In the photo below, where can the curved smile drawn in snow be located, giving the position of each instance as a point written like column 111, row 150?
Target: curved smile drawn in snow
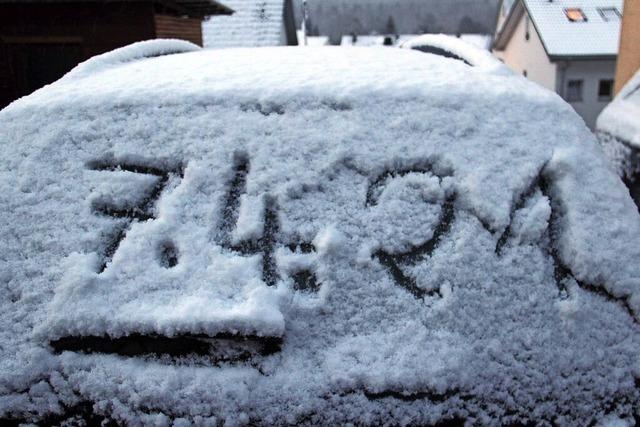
column 223, row 348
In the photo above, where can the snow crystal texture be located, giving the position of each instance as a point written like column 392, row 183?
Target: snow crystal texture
column 620, row 118
column 312, row 236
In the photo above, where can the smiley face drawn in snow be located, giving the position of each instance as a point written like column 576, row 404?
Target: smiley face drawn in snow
column 420, row 197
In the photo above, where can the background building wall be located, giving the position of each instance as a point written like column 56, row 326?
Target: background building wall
column 590, row 72
column 40, row 42
column 529, row 55
column 101, row 26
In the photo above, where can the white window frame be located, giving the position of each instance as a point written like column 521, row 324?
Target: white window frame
column 604, row 13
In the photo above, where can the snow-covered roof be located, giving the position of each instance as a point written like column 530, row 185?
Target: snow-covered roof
column 621, row 118
column 366, row 40
column 254, row 23
column 311, row 236
column 597, row 36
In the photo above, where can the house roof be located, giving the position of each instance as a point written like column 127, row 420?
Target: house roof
column 192, row 8
column 254, row 23
column 561, row 38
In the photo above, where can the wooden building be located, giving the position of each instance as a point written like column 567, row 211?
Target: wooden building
column 40, row 40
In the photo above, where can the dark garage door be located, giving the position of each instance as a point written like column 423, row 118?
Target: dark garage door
column 33, row 65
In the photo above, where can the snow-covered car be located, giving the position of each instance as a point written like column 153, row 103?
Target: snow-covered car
column 311, row 236
column 618, row 129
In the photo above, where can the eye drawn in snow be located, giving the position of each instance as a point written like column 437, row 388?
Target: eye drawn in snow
column 142, row 210
column 168, row 254
column 394, row 262
column 265, row 245
column 229, row 344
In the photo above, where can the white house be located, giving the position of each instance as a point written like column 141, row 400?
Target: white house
column 254, row 23
column 569, row 46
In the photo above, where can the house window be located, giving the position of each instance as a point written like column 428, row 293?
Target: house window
column 524, row 73
column 605, row 90
column 609, row 13
column 574, row 90
column 526, row 28
column 575, row 14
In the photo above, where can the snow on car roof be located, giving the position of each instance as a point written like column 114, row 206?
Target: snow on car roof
column 311, row 236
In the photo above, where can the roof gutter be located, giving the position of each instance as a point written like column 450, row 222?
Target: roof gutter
column 508, row 27
column 533, row 21
column 606, row 57
column 561, row 79
column 495, row 22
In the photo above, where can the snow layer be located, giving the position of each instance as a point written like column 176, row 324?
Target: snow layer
column 459, row 47
column 417, row 248
column 482, row 41
column 621, row 118
column 622, row 156
column 130, row 53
